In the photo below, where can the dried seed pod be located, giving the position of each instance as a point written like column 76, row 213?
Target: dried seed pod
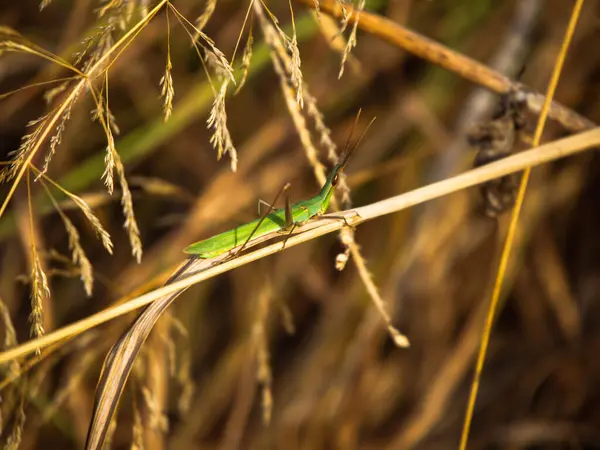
column 497, row 139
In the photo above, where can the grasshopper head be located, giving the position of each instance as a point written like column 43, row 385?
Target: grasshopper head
column 338, row 169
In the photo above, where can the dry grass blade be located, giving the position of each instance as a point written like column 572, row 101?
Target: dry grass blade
column 119, row 361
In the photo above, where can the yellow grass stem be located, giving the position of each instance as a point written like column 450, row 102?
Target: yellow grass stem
column 510, row 237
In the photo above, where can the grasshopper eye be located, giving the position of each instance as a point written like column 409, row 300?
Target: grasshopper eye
column 335, row 179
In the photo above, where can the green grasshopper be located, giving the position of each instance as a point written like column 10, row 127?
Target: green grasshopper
column 280, row 220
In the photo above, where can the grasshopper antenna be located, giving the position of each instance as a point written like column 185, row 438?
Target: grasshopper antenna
column 348, row 151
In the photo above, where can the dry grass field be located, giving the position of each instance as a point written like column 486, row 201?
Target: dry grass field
column 448, row 301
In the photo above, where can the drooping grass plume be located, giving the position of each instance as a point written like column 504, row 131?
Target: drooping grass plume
column 185, row 380
column 13, row 441
column 246, row 61
column 203, row 18
column 317, row 8
column 39, row 292
column 137, row 441
column 351, row 43
column 166, row 82
column 130, row 225
column 167, row 91
column 345, row 14
column 312, row 111
column 296, row 70
column 218, row 59
column 217, row 120
column 27, row 142
column 56, row 139
column 158, row 420
column 9, row 341
column 279, row 58
column 263, row 367
column 51, row 94
column 32, row 144
column 101, row 233
column 180, row 359
column 110, row 163
column 80, row 365
column 96, row 225
column 295, row 66
column 78, row 255
column 113, row 164
column 44, row 4
column 214, row 59
column 285, row 47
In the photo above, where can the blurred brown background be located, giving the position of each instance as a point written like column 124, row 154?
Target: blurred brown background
column 290, row 325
